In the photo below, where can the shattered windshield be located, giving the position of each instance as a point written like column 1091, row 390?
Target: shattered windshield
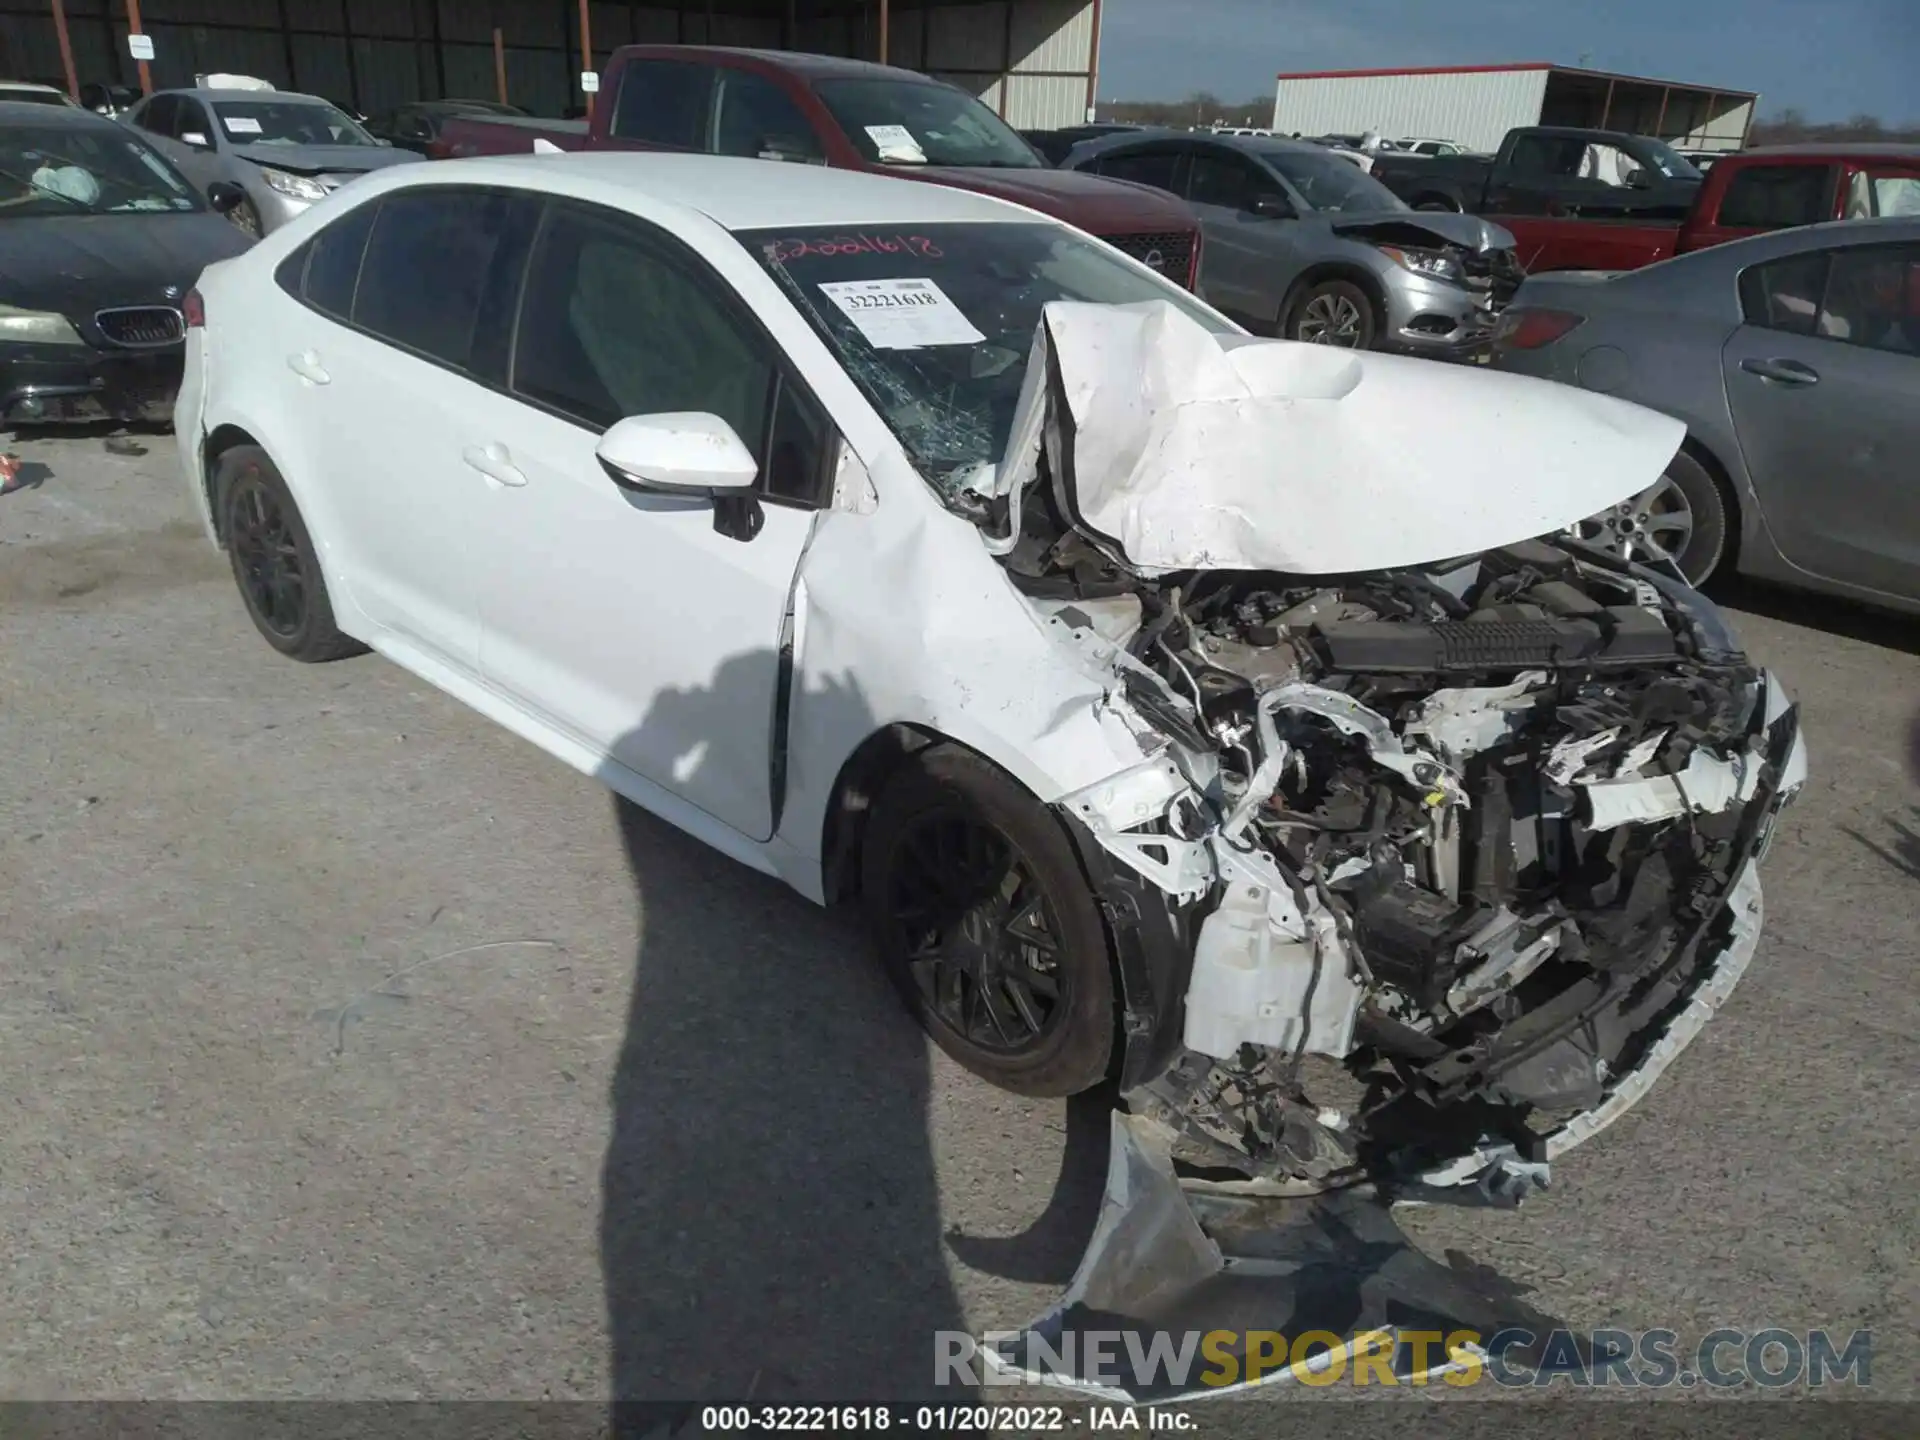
column 288, row 122
column 84, row 169
column 935, row 323
column 914, row 122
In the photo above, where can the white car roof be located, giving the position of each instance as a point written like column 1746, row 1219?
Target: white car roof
column 738, row 194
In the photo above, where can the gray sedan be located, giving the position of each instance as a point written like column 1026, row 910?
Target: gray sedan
column 1794, row 359
column 282, row 151
column 1300, row 243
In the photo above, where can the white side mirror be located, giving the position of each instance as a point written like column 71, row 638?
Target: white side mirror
column 684, row 453
column 193, row 137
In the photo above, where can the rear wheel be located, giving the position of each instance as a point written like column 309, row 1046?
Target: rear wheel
column 1681, row 519
column 1436, row 202
column 273, row 558
column 1334, row 312
column 987, row 927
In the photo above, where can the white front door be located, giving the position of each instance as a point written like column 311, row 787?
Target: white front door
column 648, row 627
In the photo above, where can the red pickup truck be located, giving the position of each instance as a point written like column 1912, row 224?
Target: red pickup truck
column 824, row 110
column 1744, row 194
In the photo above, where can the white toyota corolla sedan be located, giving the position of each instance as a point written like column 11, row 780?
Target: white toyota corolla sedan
column 1177, row 705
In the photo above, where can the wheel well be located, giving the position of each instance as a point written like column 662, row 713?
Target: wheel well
column 861, row 778
column 223, row 439
column 1334, row 270
column 1729, row 496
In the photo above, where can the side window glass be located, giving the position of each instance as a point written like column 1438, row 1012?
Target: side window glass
column 664, row 102
column 334, row 266
column 610, row 326
column 1532, row 155
column 756, row 117
column 1143, row 167
column 1784, row 295
column 157, row 116
column 470, row 242
column 1896, row 194
column 1771, row 197
column 797, row 449
column 1224, row 180
column 193, row 121
column 1873, row 298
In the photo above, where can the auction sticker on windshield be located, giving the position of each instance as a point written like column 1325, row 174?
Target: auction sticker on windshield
column 902, row 314
column 241, row 124
column 896, row 142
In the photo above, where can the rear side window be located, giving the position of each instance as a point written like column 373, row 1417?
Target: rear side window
column 439, row 270
column 333, row 262
column 664, row 102
column 1145, row 167
column 755, row 117
column 1772, row 197
column 159, row 116
column 1784, row 295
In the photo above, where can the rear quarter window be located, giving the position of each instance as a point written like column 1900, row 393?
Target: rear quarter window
column 1773, row 197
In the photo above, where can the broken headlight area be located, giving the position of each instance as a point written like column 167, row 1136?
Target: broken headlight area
column 1454, row 847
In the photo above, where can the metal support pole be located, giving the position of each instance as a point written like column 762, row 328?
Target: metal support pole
column 500, row 64
column 1660, row 125
column 1006, row 58
column 133, row 28
column 1606, row 111
column 66, row 48
column 883, row 31
column 586, row 49
column 1093, row 65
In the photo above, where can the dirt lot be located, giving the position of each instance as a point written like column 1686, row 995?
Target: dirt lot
column 351, row 1047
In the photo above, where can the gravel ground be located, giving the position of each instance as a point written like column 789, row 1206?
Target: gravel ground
column 350, row 1047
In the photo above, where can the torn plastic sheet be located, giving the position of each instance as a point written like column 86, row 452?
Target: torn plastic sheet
column 1181, row 449
column 1169, row 1263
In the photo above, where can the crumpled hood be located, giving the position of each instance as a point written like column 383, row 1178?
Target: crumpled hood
column 1178, row 449
column 1407, row 226
column 325, row 159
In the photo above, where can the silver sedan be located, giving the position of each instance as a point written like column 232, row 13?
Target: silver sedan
column 1794, row 359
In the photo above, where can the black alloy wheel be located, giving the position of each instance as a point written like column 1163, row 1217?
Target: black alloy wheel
column 986, row 923
column 983, row 945
column 266, row 559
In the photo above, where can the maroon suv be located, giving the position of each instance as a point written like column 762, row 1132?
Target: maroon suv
column 824, row 110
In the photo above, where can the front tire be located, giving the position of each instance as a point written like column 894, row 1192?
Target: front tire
column 1334, row 312
column 986, row 925
column 274, row 562
column 245, row 217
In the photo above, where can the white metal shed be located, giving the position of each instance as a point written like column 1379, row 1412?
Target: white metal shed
column 1477, row 104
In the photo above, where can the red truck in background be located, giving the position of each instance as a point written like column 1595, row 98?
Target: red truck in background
column 1748, row 193
column 850, row 114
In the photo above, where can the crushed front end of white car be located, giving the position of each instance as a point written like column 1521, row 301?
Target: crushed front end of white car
column 1445, row 839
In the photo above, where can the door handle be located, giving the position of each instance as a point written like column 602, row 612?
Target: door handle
column 1787, row 372
column 308, row 367
column 495, row 463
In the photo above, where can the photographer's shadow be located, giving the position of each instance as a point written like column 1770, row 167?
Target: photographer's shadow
column 770, row 1220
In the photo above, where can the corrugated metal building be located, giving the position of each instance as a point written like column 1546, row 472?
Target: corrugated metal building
column 1477, row 104
column 1033, row 61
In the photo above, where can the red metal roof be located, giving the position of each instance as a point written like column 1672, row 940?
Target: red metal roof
column 1416, row 70
column 1517, row 65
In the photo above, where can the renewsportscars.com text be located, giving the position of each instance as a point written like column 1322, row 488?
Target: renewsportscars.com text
column 1647, row 1359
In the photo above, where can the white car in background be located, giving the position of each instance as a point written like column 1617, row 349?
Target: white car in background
column 1176, row 705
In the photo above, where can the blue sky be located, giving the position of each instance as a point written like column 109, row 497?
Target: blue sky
column 1829, row 58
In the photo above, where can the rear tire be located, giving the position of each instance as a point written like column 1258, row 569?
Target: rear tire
column 986, row 925
column 1436, row 202
column 274, row 561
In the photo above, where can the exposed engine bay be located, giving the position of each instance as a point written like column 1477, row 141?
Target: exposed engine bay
column 1453, row 847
